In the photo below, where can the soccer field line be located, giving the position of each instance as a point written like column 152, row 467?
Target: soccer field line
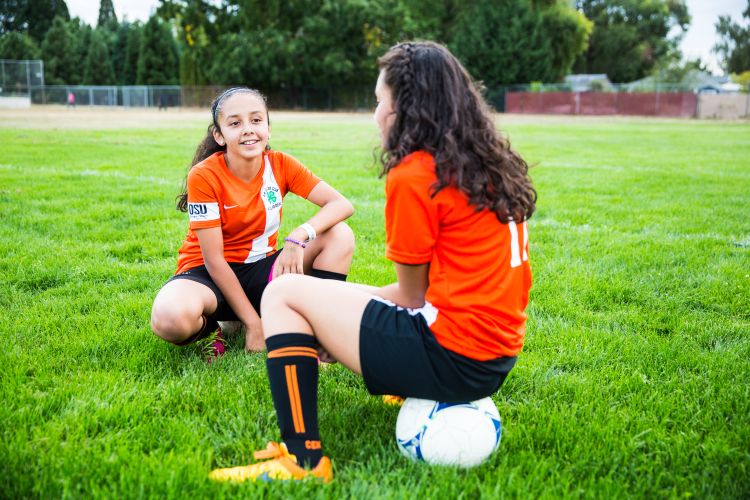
column 90, row 173
column 120, row 175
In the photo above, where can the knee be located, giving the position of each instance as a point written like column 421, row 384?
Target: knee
column 169, row 324
column 342, row 238
column 278, row 292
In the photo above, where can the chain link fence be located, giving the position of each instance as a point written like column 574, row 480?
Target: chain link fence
column 140, row 96
column 351, row 98
column 649, row 99
column 345, row 98
column 17, row 77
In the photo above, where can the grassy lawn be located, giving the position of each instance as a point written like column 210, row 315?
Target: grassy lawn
column 634, row 380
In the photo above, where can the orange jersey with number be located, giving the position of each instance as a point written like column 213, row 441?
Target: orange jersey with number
column 479, row 268
column 249, row 213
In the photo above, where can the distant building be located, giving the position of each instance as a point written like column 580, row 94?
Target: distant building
column 696, row 81
column 588, row 83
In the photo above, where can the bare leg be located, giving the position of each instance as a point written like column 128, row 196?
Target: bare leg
column 178, row 309
column 331, row 250
column 329, row 310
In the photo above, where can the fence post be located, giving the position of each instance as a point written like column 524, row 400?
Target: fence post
column 698, row 105
column 657, row 99
column 747, row 105
column 28, row 79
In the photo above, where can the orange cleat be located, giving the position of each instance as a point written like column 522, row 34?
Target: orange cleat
column 279, row 465
column 393, row 400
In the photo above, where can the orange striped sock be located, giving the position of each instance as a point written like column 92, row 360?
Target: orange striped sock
column 292, row 366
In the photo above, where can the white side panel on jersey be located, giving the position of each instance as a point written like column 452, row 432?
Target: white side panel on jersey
column 515, row 253
column 271, row 196
column 428, row 311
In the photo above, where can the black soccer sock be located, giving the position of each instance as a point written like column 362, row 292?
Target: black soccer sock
column 327, row 275
column 292, row 366
column 209, row 325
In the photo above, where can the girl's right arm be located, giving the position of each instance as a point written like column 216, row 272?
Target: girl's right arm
column 212, row 248
column 410, row 289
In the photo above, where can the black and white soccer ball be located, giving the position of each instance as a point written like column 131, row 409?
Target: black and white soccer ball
column 459, row 434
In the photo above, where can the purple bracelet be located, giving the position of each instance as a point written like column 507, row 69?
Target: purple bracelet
column 290, row 240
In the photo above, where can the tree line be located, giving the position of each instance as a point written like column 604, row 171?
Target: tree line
column 273, row 44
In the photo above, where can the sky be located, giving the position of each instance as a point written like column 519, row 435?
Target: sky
column 697, row 42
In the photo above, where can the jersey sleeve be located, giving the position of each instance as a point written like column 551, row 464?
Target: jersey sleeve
column 299, row 179
column 203, row 202
column 411, row 217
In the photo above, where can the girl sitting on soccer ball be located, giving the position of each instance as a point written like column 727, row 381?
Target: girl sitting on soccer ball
column 233, row 195
column 457, row 202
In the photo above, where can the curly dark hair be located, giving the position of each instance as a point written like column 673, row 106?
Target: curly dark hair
column 208, row 145
column 439, row 109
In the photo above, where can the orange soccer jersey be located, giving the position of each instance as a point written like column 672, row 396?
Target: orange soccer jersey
column 249, row 213
column 479, row 270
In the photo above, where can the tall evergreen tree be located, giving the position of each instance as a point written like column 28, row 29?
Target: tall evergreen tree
column 98, row 66
column 158, row 59
column 132, row 51
column 107, row 17
column 119, row 49
column 59, row 51
column 15, row 45
column 82, row 39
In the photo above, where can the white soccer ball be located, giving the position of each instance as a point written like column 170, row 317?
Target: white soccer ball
column 461, row 434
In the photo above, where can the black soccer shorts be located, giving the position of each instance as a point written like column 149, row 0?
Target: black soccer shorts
column 253, row 277
column 400, row 356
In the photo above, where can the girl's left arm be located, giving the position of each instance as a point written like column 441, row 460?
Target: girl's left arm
column 334, row 208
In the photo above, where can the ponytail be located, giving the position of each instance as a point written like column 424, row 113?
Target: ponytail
column 206, row 148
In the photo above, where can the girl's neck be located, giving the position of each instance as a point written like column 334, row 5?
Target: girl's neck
column 245, row 170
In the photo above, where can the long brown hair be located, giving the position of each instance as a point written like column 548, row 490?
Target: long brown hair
column 440, row 110
column 208, row 145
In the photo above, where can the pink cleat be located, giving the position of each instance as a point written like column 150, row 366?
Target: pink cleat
column 213, row 346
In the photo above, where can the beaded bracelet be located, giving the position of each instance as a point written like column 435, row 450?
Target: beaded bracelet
column 290, row 240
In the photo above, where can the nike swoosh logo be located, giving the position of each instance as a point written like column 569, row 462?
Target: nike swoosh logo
column 228, row 207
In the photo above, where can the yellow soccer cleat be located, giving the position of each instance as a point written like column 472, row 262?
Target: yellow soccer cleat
column 393, row 400
column 280, row 465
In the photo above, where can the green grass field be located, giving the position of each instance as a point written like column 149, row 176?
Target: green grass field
column 634, row 380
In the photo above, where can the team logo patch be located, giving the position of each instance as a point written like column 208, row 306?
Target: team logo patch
column 199, row 212
column 272, row 197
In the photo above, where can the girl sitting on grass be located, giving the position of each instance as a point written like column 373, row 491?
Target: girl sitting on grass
column 457, row 202
column 233, row 196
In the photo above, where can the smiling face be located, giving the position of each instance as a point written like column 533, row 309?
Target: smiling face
column 243, row 127
column 385, row 115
